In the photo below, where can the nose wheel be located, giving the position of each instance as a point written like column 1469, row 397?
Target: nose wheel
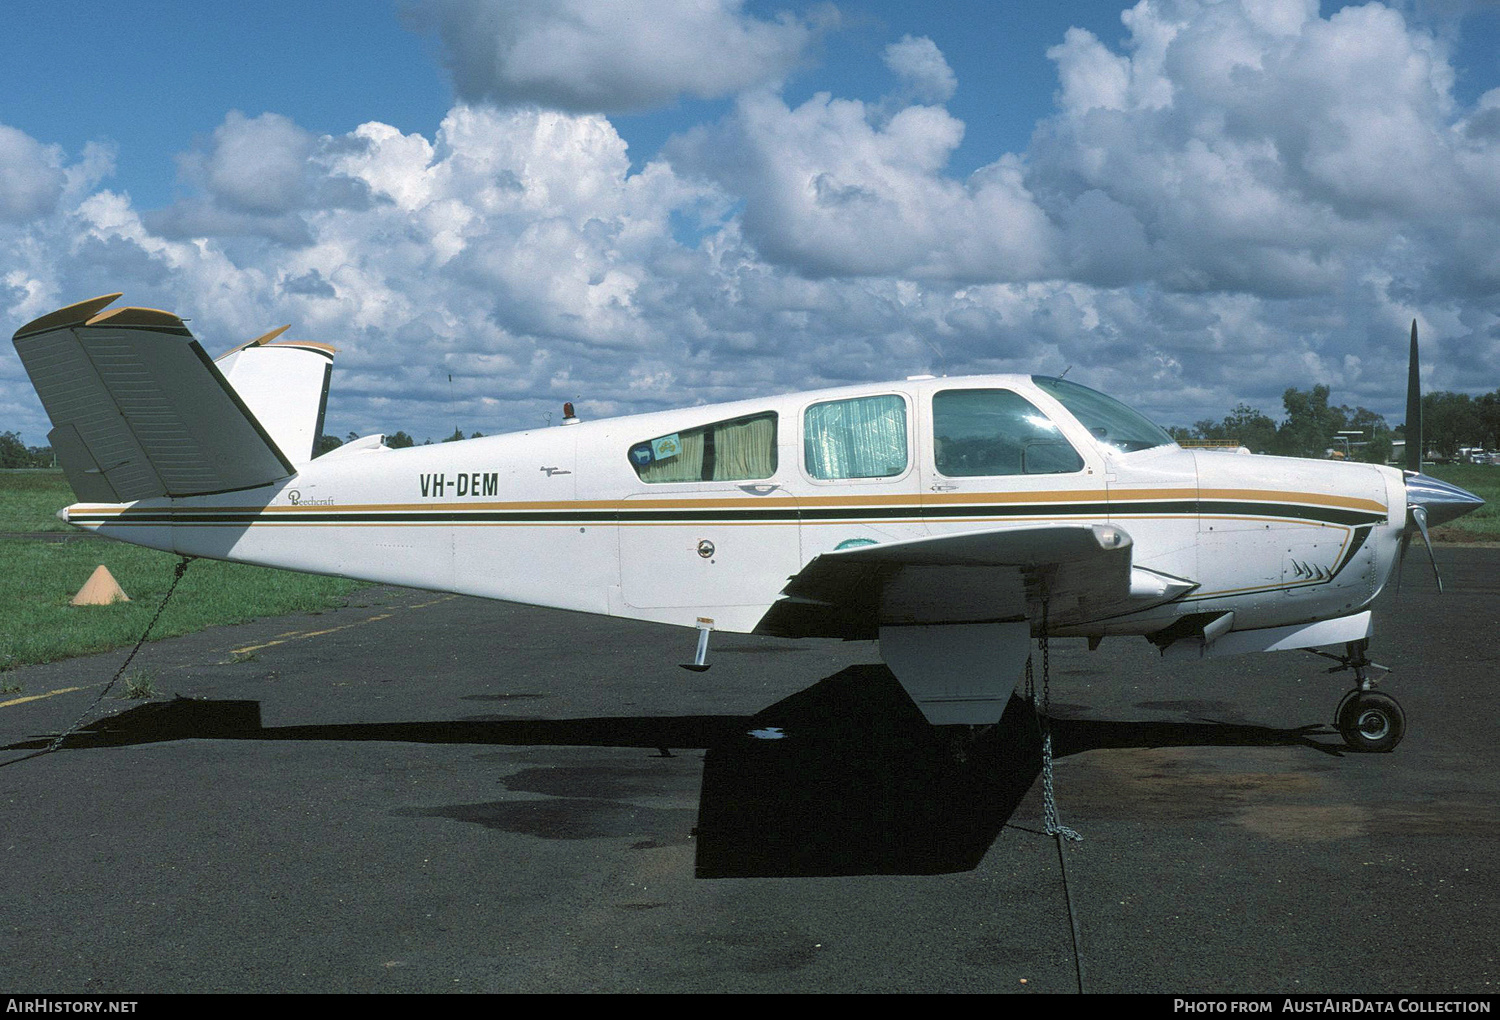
column 1366, row 719
column 1371, row 721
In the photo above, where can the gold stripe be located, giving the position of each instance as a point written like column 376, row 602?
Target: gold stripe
column 713, row 502
column 1315, row 498
column 843, row 522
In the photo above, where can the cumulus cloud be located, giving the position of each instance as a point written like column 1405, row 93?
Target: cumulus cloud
column 259, row 176
column 835, row 187
column 922, row 68
column 1260, row 148
column 31, row 176
column 625, row 55
column 256, row 164
column 1240, row 197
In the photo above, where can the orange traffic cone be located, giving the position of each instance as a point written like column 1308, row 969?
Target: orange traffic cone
column 101, row 589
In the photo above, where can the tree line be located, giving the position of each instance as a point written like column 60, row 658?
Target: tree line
column 1450, row 422
column 14, row 453
column 395, row 440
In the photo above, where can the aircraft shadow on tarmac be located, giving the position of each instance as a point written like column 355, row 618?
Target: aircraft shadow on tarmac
column 844, row 778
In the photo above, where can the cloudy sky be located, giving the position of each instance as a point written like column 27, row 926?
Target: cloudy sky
column 638, row 204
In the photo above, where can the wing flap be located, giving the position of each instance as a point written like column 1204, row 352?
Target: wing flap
column 138, row 408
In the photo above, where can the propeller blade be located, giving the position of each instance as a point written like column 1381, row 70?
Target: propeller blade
column 1427, row 498
column 1413, row 407
column 1419, row 515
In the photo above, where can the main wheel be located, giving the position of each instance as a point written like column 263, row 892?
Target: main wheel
column 1371, row 722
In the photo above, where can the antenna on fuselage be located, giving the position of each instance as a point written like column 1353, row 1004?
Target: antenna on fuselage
column 941, row 367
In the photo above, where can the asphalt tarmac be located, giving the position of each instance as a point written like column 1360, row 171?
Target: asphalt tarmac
column 430, row 793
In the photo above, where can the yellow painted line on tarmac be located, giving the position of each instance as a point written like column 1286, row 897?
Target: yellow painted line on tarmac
column 297, row 635
column 39, row 697
column 356, row 623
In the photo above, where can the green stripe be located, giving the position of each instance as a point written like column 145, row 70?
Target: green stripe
column 778, row 515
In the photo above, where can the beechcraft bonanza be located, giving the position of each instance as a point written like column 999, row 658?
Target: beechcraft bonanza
column 954, row 520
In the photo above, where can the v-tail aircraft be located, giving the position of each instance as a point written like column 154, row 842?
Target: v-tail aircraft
column 954, row 520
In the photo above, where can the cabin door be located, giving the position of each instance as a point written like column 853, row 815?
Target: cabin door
column 997, row 460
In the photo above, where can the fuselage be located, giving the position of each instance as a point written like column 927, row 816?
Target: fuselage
column 706, row 512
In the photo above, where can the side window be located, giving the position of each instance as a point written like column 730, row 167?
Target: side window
column 742, row 448
column 860, row 438
column 996, row 432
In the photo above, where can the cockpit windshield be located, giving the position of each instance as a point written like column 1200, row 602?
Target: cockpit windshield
column 1111, row 422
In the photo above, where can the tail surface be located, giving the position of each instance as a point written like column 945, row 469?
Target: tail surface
column 139, row 409
column 285, row 386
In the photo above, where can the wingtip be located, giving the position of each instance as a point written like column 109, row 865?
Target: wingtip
column 259, row 341
column 75, row 314
column 154, row 318
column 266, row 338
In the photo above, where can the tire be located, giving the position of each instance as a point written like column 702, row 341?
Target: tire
column 1372, row 722
column 1338, row 713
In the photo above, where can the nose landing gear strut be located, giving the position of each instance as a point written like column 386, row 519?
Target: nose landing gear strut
column 1366, row 719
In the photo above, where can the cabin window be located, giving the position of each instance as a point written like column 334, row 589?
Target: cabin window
column 735, row 450
column 860, row 438
column 996, row 432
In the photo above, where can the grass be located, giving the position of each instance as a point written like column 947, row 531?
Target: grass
column 140, row 684
column 40, row 577
column 30, row 500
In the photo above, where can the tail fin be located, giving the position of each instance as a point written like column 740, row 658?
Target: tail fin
column 138, row 408
column 285, row 385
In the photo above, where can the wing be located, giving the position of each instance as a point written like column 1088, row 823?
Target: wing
column 1082, row 571
column 955, row 613
column 138, row 408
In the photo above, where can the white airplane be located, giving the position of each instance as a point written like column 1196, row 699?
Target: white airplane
column 954, row 520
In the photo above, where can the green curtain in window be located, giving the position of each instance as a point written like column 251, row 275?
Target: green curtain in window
column 745, row 449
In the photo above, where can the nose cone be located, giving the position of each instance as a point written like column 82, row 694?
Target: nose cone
column 1443, row 501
